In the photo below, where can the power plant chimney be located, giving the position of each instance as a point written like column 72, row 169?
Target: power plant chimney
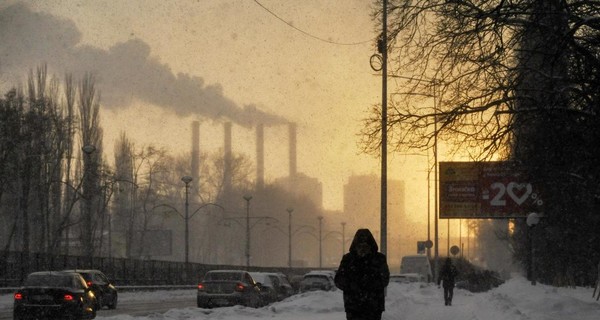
column 292, row 137
column 227, row 157
column 260, row 156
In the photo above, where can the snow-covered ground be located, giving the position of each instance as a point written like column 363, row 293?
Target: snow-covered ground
column 517, row 299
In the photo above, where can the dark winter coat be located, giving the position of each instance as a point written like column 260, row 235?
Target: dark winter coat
column 363, row 279
column 448, row 275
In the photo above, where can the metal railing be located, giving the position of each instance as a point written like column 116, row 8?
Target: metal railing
column 15, row 266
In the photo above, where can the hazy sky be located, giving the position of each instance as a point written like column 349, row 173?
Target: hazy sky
column 162, row 64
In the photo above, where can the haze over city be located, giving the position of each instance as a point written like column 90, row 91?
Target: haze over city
column 196, row 142
column 245, row 62
column 216, row 61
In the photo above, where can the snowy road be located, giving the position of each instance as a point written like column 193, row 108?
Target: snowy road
column 515, row 300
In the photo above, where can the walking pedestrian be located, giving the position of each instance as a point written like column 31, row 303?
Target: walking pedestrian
column 363, row 275
column 447, row 276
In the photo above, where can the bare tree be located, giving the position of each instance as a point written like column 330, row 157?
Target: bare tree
column 511, row 79
column 457, row 66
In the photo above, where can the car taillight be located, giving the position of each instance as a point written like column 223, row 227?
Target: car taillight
column 240, row 287
column 68, row 297
column 18, row 296
column 200, row 286
column 89, row 283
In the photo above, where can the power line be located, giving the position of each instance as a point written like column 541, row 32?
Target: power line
column 306, row 33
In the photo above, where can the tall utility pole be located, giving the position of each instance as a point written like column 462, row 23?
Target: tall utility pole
column 320, row 241
column 343, row 238
column 247, row 198
column 436, row 244
column 187, row 180
column 88, row 192
column 382, row 46
column 289, row 211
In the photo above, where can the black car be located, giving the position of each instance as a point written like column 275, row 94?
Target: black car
column 269, row 285
column 285, row 287
column 221, row 288
column 54, row 295
column 104, row 290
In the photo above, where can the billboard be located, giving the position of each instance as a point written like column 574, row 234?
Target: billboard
column 494, row 189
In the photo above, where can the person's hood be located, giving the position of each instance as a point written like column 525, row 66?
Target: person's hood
column 364, row 235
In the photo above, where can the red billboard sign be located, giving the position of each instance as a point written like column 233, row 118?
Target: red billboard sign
column 494, row 189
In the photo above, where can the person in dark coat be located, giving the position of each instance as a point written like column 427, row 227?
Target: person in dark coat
column 363, row 275
column 447, row 276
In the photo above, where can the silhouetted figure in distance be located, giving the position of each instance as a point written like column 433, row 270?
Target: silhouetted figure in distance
column 447, row 276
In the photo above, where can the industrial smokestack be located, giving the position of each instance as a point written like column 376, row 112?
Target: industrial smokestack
column 292, row 137
column 227, row 158
column 195, row 170
column 260, row 156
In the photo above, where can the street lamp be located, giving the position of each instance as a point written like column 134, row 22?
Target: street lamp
column 247, row 198
column 320, row 241
column 289, row 211
column 187, row 180
column 88, row 194
column 532, row 220
column 343, row 238
column 224, row 222
column 187, row 216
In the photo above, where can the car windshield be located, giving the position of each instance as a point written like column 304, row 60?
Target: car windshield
column 86, row 276
column 47, row 280
column 262, row 278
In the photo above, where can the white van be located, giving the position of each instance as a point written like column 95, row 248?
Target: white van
column 417, row 264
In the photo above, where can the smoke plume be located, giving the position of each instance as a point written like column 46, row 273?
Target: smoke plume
column 124, row 72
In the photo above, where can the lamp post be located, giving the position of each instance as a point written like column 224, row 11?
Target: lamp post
column 532, row 220
column 187, row 216
column 384, row 139
column 343, row 238
column 247, row 198
column 187, row 180
column 289, row 211
column 109, row 236
column 88, row 194
column 320, row 241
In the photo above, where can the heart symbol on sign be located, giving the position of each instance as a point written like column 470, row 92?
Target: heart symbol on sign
column 518, row 187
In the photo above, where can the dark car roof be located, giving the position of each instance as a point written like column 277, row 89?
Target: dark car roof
column 226, row 275
column 83, row 271
column 50, row 272
column 54, row 274
column 227, row 271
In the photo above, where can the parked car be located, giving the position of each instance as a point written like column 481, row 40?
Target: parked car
column 104, row 289
column 285, row 287
column 318, row 280
column 221, row 288
column 54, row 295
column 269, row 286
column 407, row 277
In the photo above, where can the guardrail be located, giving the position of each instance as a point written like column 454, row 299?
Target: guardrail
column 15, row 265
